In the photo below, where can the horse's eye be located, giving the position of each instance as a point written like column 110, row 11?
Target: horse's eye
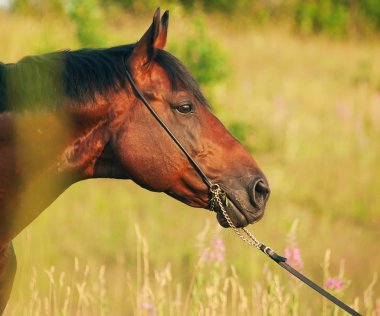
column 185, row 108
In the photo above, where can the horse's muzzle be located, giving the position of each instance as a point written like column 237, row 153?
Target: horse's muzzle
column 246, row 201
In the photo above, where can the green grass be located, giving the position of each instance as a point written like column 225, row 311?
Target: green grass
column 307, row 108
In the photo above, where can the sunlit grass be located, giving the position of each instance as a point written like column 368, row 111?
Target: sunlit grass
column 310, row 111
column 214, row 288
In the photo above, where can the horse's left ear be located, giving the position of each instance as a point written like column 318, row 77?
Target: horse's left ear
column 163, row 32
column 153, row 39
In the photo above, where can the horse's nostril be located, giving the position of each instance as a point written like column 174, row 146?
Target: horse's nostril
column 260, row 193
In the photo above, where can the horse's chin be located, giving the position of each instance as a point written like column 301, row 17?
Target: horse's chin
column 239, row 217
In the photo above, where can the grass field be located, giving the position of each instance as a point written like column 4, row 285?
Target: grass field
column 309, row 110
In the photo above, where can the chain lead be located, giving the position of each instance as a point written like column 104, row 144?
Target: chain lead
column 216, row 192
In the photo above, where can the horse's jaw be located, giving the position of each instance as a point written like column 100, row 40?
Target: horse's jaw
column 239, row 216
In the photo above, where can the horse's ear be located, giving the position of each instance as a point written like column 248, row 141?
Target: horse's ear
column 153, row 39
column 163, row 33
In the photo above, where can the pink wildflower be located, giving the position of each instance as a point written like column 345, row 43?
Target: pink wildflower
column 215, row 252
column 344, row 111
column 293, row 255
column 149, row 309
column 334, row 284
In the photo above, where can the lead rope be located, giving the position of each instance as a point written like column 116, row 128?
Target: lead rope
column 217, row 192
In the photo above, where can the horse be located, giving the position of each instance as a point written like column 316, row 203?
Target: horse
column 68, row 116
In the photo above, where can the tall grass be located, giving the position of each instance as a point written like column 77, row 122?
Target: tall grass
column 215, row 288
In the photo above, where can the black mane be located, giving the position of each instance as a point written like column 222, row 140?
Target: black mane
column 45, row 82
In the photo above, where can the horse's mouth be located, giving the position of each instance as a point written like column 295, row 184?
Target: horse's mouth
column 239, row 216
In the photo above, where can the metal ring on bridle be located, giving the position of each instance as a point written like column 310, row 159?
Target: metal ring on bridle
column 215, row 188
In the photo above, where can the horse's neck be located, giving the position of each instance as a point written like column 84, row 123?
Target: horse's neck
column 57, row 142
column 41, row 154
column 81, row 155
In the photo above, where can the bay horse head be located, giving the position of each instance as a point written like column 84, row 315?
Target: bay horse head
column 84, row 115
column 150, row 157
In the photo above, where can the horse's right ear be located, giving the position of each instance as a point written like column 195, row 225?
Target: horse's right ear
column 154, row 38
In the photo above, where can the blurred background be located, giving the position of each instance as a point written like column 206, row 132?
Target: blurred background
column 298, row 83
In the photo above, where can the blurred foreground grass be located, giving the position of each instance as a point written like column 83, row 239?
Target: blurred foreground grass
column 307, row 108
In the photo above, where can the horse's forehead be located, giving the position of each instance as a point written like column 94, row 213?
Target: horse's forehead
column 173, row 83
column 158, row 75
column 157, row 81
column 161, row 81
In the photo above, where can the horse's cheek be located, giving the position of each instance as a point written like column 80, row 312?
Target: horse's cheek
column 131, row 153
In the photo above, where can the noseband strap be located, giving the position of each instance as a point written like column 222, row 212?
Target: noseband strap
column 205, row 179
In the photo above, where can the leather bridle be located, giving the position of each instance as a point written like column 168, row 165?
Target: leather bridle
column 198, row 169
column 218, row 197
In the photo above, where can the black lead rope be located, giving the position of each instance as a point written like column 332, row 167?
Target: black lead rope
column 216, row 191
column 282, row 262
